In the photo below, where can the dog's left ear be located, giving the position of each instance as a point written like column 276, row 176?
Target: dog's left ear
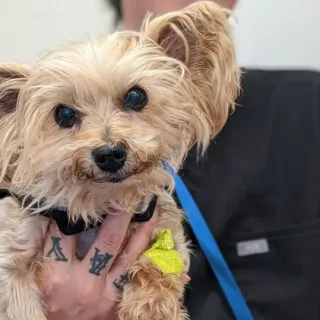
column 200, row 37
column 12, row 77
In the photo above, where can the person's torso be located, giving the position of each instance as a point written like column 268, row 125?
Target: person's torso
column 258, row 188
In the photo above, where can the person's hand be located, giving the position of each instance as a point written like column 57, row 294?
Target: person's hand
column 90, row 289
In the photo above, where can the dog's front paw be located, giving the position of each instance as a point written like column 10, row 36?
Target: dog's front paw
column 152, row 295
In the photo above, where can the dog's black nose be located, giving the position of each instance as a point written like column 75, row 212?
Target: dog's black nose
column 110, row 158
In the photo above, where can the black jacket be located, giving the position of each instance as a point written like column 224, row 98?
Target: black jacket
column 260, row 179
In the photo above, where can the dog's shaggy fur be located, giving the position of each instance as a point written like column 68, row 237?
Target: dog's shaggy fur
column 185, row 61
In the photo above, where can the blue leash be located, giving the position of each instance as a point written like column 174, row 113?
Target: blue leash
column 211, row 250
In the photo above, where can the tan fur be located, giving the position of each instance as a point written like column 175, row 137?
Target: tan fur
column 186, row 63
column 157, row 301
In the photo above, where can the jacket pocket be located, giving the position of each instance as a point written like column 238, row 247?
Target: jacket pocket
column 278, row 270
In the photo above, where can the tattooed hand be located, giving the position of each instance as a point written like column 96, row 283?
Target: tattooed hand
column 88, row 289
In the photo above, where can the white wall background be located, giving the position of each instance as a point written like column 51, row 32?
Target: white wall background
column 279, row 33
column 269, row 34
column 28, row 28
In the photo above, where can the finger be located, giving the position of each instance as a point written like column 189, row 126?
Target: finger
column 136, row 245
column 107, row 244
column 138, row 242
column 185, row 278
column 58, row 247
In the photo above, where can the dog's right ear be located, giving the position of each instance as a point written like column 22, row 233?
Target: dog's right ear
column 12, row 78
column 200, row 36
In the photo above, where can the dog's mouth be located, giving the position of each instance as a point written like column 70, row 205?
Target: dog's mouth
column 121, row 175
column 117, row 177
column 113, row 179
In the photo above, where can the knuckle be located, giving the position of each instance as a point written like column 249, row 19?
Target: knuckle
column 50, row 307
column 111, row 241
column 149, row 227
column 84, row 298
column 51, row 284
column 132, row 255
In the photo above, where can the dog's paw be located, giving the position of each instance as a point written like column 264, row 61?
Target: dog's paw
column 150, row 294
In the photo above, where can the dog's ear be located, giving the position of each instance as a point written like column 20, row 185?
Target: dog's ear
column 200, row 37
column 12, row 78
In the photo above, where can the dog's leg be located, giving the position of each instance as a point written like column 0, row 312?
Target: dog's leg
column 150, row 294
column 20, row 244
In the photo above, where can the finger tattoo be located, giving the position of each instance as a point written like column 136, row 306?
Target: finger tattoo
column 56, row 250
column 120, row 283
column 99, row 262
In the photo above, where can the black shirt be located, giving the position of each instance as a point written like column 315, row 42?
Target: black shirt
column 260, row 180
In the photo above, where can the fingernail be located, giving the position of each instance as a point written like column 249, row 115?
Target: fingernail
column 185, row 278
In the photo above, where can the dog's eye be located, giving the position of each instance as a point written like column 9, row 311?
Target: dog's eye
column 65, row 117
column 135, row 99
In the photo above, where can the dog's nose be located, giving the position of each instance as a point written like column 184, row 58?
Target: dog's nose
column 110, row 158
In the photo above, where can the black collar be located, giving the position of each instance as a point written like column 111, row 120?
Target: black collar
column 67, row 227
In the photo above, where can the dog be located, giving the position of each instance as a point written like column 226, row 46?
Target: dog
column 91, row 127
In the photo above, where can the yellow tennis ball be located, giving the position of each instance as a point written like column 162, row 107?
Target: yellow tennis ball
column 163, row 255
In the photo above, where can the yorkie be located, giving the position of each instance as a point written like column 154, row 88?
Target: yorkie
column 87, row 133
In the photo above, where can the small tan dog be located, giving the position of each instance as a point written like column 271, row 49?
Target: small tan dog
column 89, row 128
